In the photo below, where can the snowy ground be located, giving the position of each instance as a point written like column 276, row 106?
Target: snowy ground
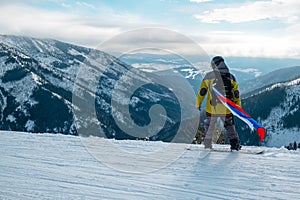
column 48, row 166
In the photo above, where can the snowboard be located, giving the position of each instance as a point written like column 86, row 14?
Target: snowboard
column 254, row 152
column 242, row 151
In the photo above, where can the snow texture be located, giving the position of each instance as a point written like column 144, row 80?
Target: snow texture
column 48, row 166
column 279, row 135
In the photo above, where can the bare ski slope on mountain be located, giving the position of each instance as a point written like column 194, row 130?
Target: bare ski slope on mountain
column 48, row 166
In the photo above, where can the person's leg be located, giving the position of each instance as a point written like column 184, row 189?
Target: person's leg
column 232, row 133
column 209, row 129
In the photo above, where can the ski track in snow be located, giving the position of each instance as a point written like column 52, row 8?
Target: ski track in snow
column 49, row 166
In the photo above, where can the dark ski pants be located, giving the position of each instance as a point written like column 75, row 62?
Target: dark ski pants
column 210, row 127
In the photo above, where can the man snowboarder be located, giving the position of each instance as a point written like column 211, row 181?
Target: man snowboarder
column 226, row 83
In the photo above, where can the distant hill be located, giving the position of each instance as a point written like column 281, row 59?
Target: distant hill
column 162, row 64
column 277, row 76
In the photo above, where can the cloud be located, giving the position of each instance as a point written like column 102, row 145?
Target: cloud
column 88, row 26
column 65, row 5
column 76, row 27
column 5, row 2
column 23, row 20
column 154, row 40
column 286, row 11
column 91, row 30
column 282, row 40
column 199, row 1
column 84, row 4
column 248, row 44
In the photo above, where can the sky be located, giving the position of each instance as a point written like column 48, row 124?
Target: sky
column 259, row 28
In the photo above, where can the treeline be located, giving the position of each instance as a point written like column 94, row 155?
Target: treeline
column 293, row 146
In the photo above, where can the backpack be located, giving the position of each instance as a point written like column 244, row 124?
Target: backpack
column 223, row 84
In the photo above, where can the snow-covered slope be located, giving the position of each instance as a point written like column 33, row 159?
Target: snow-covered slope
column 277, row 108
column 47, row 166
column 283, row 120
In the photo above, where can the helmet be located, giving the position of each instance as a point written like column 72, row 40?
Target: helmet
column 216, row 61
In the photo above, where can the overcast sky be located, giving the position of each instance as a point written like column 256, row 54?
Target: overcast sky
column 262, row 28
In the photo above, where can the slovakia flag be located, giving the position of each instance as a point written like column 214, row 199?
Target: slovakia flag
column 240, row 113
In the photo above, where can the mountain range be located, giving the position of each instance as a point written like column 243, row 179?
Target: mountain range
column 38, row 77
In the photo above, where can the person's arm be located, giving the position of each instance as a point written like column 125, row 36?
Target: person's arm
column 201, row 94
column 236, row 93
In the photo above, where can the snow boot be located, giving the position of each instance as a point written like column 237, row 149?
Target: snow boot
column 235, row 144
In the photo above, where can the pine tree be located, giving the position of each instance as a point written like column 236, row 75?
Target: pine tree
column 295, row 145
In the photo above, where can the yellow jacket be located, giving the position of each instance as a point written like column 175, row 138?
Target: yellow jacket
column 213, row 106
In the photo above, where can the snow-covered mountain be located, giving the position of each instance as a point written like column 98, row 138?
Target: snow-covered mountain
column 277, row 108
column 29, row 99
column 37, row 90
column 277, row 76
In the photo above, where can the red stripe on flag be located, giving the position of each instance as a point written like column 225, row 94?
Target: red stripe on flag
column 229, row 102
